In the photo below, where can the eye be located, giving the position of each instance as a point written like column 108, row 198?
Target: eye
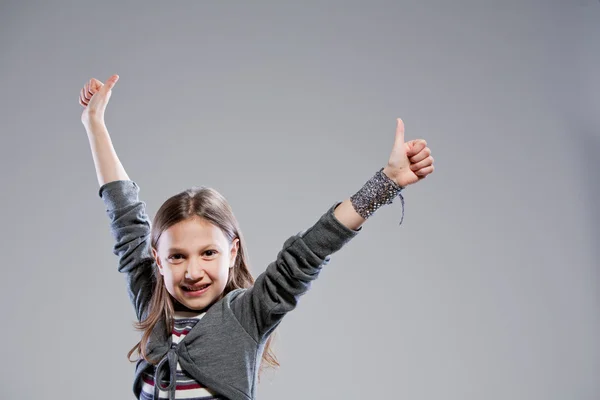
column 209, row 251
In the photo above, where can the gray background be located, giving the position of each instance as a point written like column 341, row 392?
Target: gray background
column 489, row 289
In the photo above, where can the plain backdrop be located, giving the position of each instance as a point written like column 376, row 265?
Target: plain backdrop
column 490, row 289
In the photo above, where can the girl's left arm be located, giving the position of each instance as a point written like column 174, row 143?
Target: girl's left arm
column 277, row 290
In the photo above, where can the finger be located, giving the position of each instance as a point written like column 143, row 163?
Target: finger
column 423, row 154
column 415, row 146
column 424, row 171
column 96, row 85
column 399, row 139
column 82, row 97
column 90, row 88
column 86, row 92
column 422, row 164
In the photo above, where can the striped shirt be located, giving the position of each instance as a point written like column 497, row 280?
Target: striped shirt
column 186, row 387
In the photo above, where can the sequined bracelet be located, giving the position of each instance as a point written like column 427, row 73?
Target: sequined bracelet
column 376, row 192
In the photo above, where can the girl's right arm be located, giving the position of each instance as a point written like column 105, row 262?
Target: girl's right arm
column 107, row 163
column 94, row 97
column 130, row 225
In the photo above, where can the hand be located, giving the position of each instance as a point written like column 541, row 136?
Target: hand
column 409, row 162
column 94, row 97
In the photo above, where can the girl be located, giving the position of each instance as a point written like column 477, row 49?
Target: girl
column 206, row 322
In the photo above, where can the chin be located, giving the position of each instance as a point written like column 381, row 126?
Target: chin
column 197, row 304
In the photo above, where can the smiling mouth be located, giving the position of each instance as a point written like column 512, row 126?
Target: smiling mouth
column 195, row 288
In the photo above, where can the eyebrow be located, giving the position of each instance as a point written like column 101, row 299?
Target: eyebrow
column 172, row 249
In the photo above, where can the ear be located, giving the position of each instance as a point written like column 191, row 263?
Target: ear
column 235, row 245
column 157, row 259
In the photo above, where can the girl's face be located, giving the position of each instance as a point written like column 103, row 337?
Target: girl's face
column 192, row 254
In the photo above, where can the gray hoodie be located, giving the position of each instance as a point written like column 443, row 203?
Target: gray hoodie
column 224, row 349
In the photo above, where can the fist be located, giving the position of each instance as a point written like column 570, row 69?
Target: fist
column 94, row 97
column 410, row 162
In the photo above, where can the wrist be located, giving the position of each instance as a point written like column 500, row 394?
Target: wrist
column 94, row 124
column 388, row 173
column 376, row 192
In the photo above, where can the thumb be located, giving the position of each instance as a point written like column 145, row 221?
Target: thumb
column 110, row 83
column 399, row 140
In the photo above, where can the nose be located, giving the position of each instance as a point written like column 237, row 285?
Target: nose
column 195, row 270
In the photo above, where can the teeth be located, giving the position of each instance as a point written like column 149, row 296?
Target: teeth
column 196, row 289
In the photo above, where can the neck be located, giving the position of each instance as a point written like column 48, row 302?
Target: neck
column 177, row 306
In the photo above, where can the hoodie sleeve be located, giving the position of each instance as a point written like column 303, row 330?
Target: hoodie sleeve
column 130, row 228
column 278, row 289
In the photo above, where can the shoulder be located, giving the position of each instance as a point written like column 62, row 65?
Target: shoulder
column 231, row 296
column 225, row 302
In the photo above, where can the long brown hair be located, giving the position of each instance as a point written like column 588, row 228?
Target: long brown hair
column 210, row 205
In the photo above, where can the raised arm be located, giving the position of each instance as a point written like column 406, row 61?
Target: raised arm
column 129, row 223
column 94, row 97
column 277, row 291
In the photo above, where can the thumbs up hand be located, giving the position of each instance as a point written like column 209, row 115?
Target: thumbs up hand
column 94, row 97
column 410, row 161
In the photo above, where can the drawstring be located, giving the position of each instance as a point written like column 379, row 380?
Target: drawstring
column 402, row 202
column 171, row 358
